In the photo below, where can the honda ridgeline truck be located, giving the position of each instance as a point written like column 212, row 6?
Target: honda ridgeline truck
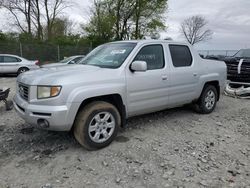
column 116, row 81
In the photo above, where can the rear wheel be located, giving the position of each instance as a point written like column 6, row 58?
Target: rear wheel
column 22, row 70
column 207, row 101
column 96, row 125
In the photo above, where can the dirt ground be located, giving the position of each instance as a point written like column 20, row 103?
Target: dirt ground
column 172, row 148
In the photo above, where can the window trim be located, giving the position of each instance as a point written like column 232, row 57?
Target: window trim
column 163, row 54
column 192, row 59
column 17, row 59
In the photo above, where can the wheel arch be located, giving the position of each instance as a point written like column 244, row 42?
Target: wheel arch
column 214, row 83
column 25, row 67
column 114, row 99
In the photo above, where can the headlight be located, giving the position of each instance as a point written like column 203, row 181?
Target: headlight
column 48, row 91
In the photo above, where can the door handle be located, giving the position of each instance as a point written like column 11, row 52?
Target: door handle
column 164, row 77
column 195, row 74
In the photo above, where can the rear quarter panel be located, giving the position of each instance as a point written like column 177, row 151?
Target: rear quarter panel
column 213, row 71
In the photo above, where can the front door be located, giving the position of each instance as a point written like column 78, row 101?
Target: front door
column 147, row 91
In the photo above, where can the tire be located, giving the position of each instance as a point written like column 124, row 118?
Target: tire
column 93, row 116
column 207, row 101
column 22, row 70
column 9, row 105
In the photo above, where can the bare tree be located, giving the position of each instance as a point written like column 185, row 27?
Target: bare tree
column 20, row 9
column 52, row 10
column 194, row 30
column 37, row 17
column 30, row 15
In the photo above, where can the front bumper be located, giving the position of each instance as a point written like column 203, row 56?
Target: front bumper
column 56, row 116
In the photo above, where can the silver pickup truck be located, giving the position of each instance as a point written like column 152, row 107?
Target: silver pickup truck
column 116, row 81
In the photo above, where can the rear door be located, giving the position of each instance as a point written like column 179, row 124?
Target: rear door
column 11, row 64
column 184, row 76
column 148, row 91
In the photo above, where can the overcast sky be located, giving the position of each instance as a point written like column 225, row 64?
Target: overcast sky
column 228, row 19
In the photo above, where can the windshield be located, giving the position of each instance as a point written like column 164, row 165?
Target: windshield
column 66, row 60
column 243, row 53
column 109, row 55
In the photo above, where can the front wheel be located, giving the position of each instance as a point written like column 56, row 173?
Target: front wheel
column 207, row 101
column 96, row 125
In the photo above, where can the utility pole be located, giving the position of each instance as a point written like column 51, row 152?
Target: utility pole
column 21, row 49
column 58, row 52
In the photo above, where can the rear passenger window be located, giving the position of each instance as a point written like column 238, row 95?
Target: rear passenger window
column 181, row 55
column 153, row 55
column 9, row 59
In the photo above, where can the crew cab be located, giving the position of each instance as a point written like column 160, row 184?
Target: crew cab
column 116, row 81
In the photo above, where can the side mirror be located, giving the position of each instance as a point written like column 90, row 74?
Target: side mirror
column 139, row 66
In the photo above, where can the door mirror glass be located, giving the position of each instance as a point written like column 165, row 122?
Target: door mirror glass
column 139, row 66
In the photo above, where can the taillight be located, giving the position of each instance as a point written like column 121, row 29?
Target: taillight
column 37, row 63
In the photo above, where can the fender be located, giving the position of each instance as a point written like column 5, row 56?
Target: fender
column 78, row 95
column 205, row 79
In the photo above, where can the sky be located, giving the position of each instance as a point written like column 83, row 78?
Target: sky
column 228, row 19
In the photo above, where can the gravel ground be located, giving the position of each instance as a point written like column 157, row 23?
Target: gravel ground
column 172, row 148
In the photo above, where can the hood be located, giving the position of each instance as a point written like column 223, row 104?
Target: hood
column 60, row 75
column 235, row 59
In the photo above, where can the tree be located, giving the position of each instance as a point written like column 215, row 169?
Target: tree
column 149, row 17
column 52, row 10
column 30, row 14
column 100, row 27
column 20, row 9
column 37, row 17
column 194, row 30
column 125, row 19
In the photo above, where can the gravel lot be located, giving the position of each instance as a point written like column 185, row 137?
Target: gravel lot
column 172, row 148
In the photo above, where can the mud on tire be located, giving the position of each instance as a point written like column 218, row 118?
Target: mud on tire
column 96, row 125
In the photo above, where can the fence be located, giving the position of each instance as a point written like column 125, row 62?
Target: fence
column 51, row 52
column 218, row 52
column 43, row 51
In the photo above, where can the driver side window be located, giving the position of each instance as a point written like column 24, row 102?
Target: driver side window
column 153, row 55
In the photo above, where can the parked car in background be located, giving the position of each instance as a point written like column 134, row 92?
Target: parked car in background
column 68, row 60
column 238, row 74
column 15, row 64
column 114, row 82
column 238, row 66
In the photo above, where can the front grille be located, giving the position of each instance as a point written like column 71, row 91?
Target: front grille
column 23, row 91
column 232, row 71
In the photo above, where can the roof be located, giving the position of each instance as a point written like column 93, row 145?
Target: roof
column 150, row 41
column 10, row 55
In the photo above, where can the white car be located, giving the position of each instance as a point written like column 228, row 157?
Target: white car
column 70, row 60
column 15, row 64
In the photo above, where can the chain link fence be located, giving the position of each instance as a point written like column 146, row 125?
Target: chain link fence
column 51, row 53
column 42, row 51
